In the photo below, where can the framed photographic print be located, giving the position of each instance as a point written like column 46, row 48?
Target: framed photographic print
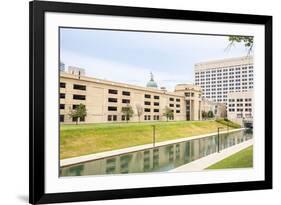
column 141, row 102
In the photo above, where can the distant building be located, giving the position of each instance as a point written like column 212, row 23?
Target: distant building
column 220, row 77
column 240, row 106
column 76, row 71
column 62, row 67
column 104, row 99
column 218, row 109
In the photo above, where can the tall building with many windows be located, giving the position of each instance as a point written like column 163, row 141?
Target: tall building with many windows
column 220, row 77
column 240, row 106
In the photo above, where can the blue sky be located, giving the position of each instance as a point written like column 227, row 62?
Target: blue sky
column 129, row 57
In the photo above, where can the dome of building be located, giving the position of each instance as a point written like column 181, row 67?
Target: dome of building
column 151, row 83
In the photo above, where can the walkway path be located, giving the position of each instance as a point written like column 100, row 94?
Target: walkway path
column 203, row 163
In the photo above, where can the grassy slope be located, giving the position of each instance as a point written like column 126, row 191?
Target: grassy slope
column 77, row 140
column 242, row 159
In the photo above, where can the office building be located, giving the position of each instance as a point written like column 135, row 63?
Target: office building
column 220, row 77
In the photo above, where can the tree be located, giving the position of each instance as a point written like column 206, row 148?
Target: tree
column 78, row 113
column 247, row 40
column 168, row 113
column 139, row 110
column 210, row 114
column 127, row 111
column 204, row 114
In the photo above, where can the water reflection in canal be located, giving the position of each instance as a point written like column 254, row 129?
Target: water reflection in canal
column 158, row 159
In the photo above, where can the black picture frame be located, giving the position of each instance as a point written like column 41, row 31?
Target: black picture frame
column 37, row 194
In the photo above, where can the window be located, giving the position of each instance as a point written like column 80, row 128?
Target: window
column 239, row 115
column 147, row 103
column 62, row 95
column 61, row 118
column 177, row 105
column 146, row 109
column 82, row 119
column 74, row 106
column 147, row 96
column 127, row 93
column 62, row 85
column 192, row 94
column 156, row 110
column 178, row 111
column 147, row 117
column 123, row 117
column 62, row 106
column 178, row 100
column 111, row 108
column 111, row 91
column 114, row 117
column 79, row 87
column 171, row 99
column 126, row 101
column 171, row 105
column 79, row 97
column 112, row 99
column 156, row 103
column 74, row 119
column 156, row 97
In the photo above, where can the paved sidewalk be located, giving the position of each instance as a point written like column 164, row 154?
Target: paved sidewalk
column 203, row 163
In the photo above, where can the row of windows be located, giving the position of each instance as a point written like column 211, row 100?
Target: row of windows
column 224, row 70
column 149, row 103
column 218, row 79
column 115, row 100
column 240, row 100
column 74, row 97
column 150, row 117
column 240, row 110
column 202, row 74
column 148, row 110
column 115, row 92
column 74, row 119
column 173, row 99
column 173, row 105
column 75, row 86
column 156, row 97
column 62, row 106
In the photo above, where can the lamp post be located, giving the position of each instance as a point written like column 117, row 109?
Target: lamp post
column 153, row 126
column 219, row 138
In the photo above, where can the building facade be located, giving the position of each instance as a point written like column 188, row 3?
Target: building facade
column 240, row 106
column 104, row 100
column 220, row 77
column 218, row 109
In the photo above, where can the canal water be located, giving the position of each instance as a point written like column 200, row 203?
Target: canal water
column 158, row 159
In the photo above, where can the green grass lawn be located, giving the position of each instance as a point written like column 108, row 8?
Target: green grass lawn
column 242, row 159
column 77, row 140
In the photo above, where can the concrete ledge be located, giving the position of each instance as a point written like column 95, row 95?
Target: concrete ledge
column 203, row 163
column 85, row 158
